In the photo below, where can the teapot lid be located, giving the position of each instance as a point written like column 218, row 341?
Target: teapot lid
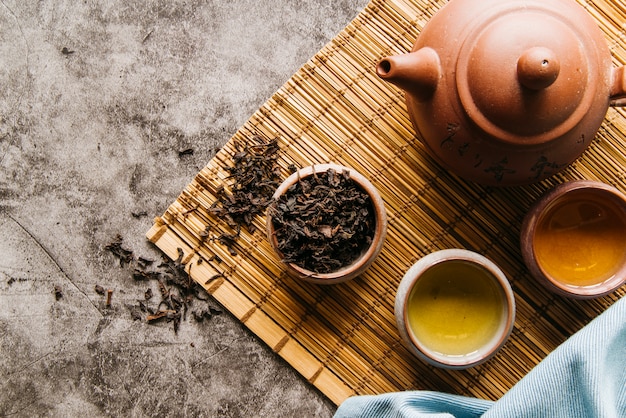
column 526, row 74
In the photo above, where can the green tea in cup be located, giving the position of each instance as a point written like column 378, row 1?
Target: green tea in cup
column 455, row 308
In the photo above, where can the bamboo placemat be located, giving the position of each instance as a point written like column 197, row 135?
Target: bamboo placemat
column 343, row 338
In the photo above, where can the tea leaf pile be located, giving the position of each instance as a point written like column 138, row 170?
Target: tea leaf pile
column 255, row 176
column 323, row 222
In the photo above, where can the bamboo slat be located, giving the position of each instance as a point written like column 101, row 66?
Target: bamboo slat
column 343, row 338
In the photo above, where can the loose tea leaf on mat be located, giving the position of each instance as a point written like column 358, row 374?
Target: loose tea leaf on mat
column 324, row 222
column 255, row 175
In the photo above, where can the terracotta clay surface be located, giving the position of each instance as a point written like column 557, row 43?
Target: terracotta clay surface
column 507, row 92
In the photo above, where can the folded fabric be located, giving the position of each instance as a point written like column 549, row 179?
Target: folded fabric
column 584, row 377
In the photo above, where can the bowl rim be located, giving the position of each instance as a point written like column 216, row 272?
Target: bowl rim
column 366, row 259
column 536, row 214
column 412, row 276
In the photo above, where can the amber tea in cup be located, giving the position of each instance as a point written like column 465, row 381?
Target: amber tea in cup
column 455, row 308
column 574, row 239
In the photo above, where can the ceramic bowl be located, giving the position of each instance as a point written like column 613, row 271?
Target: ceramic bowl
column 573, row 239
column 454, row 309
column 365, row 259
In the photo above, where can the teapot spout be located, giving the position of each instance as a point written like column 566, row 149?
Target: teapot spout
column 417, row 72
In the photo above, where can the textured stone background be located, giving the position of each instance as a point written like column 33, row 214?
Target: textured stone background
column 97, row 99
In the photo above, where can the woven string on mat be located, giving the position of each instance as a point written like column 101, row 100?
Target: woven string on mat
column 343, row 338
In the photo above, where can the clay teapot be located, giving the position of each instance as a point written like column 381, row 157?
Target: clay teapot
column 506, row 92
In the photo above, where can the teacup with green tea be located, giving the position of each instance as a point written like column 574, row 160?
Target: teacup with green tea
column 454, row 308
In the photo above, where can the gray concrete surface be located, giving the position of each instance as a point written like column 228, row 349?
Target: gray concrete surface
column 97, row 99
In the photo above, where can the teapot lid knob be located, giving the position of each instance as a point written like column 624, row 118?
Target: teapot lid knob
column 537, row 68
column 526, row 75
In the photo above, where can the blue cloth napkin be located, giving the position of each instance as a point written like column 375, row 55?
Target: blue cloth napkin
column 584, row 377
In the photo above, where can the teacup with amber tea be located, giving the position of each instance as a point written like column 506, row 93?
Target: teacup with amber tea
column 573, row 239
column 454, row 308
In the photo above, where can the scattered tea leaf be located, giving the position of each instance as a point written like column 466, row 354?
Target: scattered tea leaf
column 125, row 256
column 139, row 274
column 58, row 292
column 205, row 233
column 229, row 240
column 165, row 314
column 135, row 313
column 254, row 177
column 188, row 151
column 208, row 313
column 144, row 262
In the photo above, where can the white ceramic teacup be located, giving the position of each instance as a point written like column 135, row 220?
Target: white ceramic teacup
column 455, row 308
